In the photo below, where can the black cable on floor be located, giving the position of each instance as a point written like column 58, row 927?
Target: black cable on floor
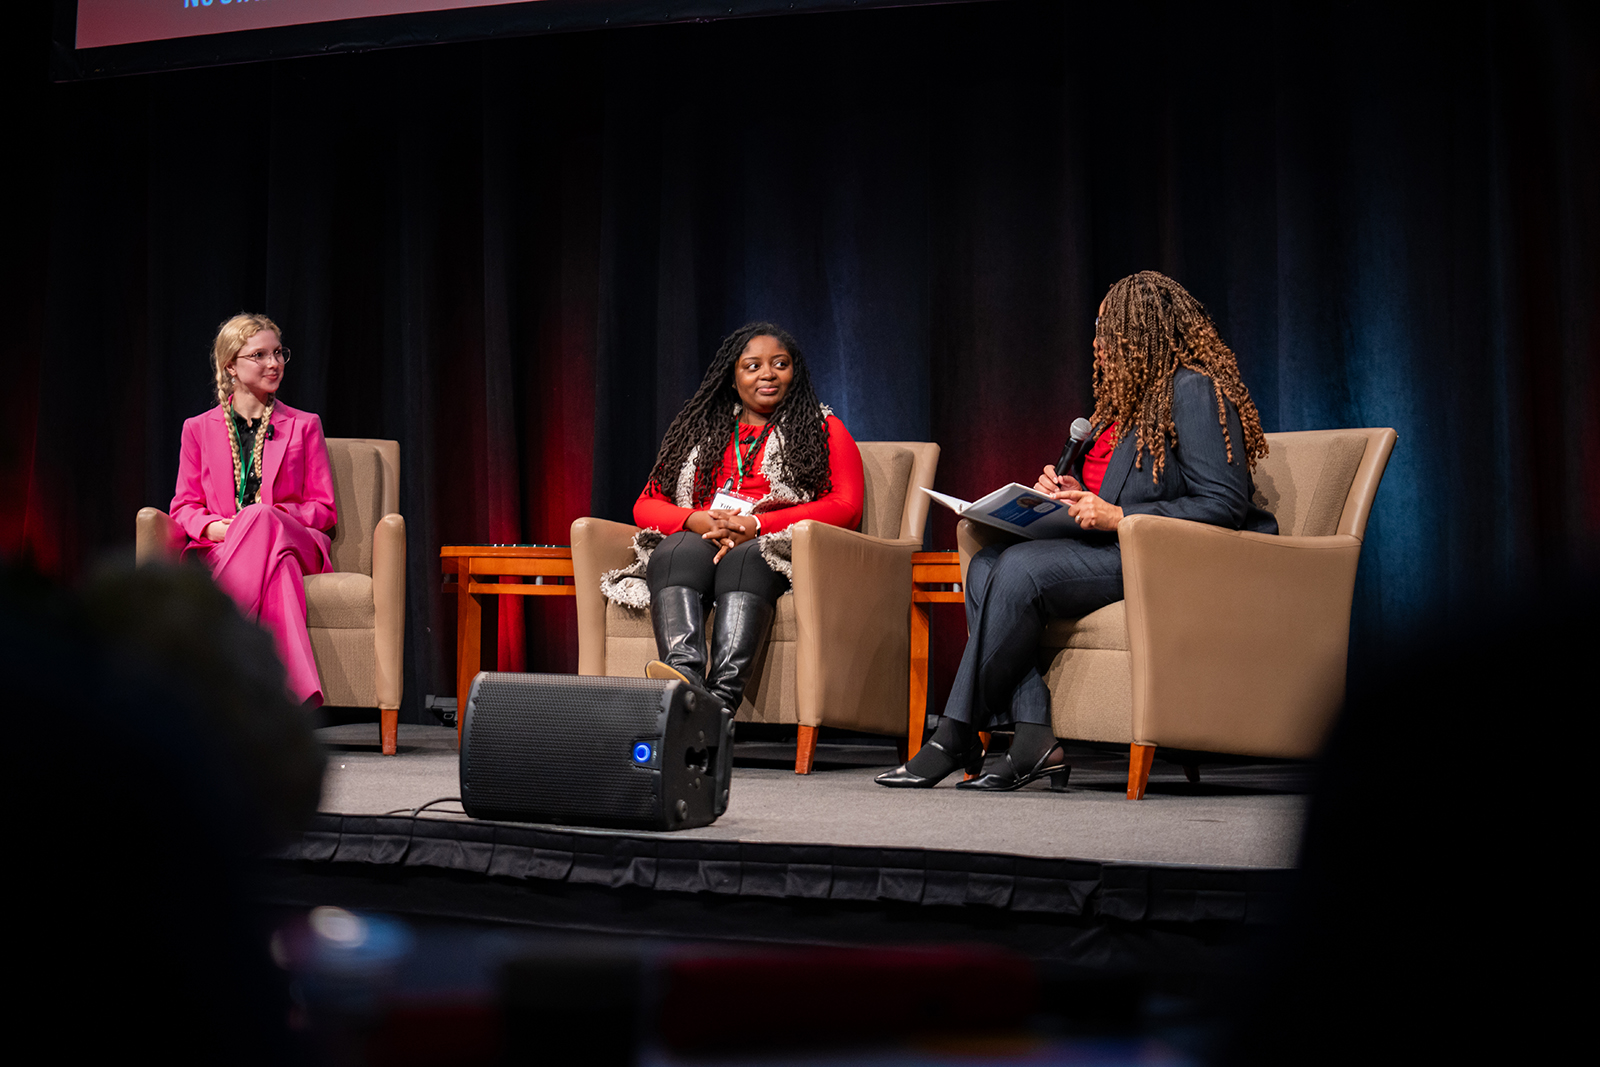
column 425, row 807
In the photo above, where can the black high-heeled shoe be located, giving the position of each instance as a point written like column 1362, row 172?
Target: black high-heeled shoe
column 900, row 778
column 1009, row 778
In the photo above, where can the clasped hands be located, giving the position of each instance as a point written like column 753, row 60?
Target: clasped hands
column 1089, row 510
column 726, row 527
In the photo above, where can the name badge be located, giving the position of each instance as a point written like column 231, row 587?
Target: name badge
column 728, row 500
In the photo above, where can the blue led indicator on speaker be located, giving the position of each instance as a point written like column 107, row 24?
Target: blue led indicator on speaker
column 641, row 752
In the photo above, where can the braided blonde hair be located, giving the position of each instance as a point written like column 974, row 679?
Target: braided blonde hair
column 232, row 336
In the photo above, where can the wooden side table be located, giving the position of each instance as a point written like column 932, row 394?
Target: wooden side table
column 927, row 569
column 478, row 570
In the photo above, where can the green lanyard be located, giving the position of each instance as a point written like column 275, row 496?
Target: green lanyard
column 740, row 456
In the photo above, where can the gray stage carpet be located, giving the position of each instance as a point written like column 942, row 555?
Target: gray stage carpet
column 1238, row 815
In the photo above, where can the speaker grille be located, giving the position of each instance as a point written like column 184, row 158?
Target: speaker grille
column 559, row 747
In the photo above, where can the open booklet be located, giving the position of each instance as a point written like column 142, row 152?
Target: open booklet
column 1016, row 508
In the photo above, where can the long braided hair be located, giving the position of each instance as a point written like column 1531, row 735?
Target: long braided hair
column 1150, row 326
column 708, row 420
column 232, row 336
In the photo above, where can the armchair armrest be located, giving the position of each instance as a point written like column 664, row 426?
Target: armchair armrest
column 1237, row 640
column 852, row 598
column 598, row 545
column 156, row 537
column 974, row 537
column 389, row 607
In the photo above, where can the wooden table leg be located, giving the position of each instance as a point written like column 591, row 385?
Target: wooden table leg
column 469, row 642
column 917, row 711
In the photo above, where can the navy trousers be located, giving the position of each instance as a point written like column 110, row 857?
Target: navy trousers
column 1012, row 591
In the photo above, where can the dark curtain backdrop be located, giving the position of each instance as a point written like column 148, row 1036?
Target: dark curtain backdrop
column 517, row 257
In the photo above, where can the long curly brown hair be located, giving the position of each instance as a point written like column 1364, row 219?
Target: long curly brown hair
column 1149, row 326
column 709, row 417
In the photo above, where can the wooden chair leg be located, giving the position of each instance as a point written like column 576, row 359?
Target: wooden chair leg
column 389, row 729
column 805, row 750
column 902, row 750
column 1139, row 759
column 1191, row 771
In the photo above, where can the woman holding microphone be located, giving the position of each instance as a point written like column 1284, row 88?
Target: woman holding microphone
column 1175, row 433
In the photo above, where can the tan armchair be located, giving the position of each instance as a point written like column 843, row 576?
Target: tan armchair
column 1227, row 641
column 839, row 653
column 357, row 613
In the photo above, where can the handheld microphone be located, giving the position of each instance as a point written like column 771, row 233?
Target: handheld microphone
column 1077, row 444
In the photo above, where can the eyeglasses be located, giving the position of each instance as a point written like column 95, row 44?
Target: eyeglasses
column 279, row 355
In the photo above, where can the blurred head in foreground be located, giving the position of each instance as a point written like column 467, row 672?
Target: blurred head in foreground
column 163, row 756
column 1444, row 824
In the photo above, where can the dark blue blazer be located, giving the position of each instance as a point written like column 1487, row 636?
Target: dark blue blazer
column 1197, row 482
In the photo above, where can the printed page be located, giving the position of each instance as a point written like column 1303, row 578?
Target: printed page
column 1023, row 510
column 954, row 503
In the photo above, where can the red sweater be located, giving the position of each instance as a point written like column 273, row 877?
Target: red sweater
column 1098, row 459
column 840, row 507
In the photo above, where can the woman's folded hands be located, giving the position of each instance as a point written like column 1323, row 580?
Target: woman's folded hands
column 727, row 528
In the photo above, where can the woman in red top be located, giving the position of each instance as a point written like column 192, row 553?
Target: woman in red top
column 750, row 454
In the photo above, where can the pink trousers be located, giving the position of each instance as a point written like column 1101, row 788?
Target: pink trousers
column 262, row 565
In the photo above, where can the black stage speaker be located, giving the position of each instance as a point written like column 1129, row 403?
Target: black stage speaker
column 563, row 748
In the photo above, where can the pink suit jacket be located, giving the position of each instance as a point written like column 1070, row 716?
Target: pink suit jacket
column 296, row 478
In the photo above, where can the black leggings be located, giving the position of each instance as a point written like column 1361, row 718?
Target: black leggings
column 685, row 559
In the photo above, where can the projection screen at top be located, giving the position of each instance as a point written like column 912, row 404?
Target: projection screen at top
column 111, row 22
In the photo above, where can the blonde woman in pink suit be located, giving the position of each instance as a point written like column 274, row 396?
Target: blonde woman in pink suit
column 255, row 493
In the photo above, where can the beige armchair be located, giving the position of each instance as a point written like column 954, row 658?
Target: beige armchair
column 1227, row 641
column 356, row 613
column 839, row 653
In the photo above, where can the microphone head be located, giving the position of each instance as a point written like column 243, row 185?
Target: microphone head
column 1080, row 429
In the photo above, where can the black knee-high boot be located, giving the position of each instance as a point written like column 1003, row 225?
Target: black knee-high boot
column 678, row 615
column 737, row 637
